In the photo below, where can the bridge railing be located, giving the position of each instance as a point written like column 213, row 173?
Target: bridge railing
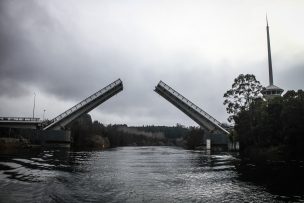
column 189, row 103
column 19, row 119
column 85, row 101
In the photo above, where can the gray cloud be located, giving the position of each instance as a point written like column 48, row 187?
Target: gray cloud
column 70, row 49
column 289, row 72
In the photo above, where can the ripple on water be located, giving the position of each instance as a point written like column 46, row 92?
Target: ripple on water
column 127, row 174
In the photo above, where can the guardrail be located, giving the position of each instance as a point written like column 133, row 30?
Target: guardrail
column 19, row 119
column 86, row 101
column 189, row 103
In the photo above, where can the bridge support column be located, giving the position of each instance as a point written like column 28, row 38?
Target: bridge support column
column 208, row 144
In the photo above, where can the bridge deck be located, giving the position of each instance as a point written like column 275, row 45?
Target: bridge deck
column 189, row 108
column 19, row 119
column 86, row 105
column 20, row 122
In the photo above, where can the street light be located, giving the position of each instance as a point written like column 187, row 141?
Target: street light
column 34, row 105
column 43, row 114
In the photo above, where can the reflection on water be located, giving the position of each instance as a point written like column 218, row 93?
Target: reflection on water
column 129, row 174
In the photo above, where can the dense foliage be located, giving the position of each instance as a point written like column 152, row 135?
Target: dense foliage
column 274, row 126
column 86, row 133
column 272, row 129
column 195, row 138
column 244, row 90
column 170, row 132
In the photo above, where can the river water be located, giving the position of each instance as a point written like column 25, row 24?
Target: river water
column 129, row 174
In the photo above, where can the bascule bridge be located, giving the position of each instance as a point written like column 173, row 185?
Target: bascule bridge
column 215, row 133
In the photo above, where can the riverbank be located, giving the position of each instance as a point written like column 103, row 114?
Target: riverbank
column 86, row 133
column 7, row 143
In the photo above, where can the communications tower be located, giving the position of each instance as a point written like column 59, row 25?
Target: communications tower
column 271, row 90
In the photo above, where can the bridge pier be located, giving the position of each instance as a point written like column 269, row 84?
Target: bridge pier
column 208, row 144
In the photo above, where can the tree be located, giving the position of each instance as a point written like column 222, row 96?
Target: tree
column 292, row 127
column 244, row 90
column 272, row 129
column 195, row 138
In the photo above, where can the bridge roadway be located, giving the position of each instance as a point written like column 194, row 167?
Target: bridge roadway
column 20, row 122
column 62, row 120
column 194, row 112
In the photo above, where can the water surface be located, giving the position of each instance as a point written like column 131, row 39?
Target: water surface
column 128, row 174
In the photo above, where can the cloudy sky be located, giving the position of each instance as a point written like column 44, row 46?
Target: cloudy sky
column 63, row 51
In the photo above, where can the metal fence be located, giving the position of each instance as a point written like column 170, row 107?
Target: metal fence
column 26, row 119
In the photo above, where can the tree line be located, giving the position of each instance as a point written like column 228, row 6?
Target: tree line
column 266, row 129
column 88, row 134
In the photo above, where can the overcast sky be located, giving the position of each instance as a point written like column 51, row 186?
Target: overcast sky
column 66, row 50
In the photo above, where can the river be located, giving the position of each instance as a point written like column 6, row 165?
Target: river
column 129, row 174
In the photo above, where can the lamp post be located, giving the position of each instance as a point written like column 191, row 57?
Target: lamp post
column 34, row 105
column 43, row 114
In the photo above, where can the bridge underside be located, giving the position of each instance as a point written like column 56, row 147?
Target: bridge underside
column 19, row 125
column 194, row 112
column 61, row 121
column 20, row 122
